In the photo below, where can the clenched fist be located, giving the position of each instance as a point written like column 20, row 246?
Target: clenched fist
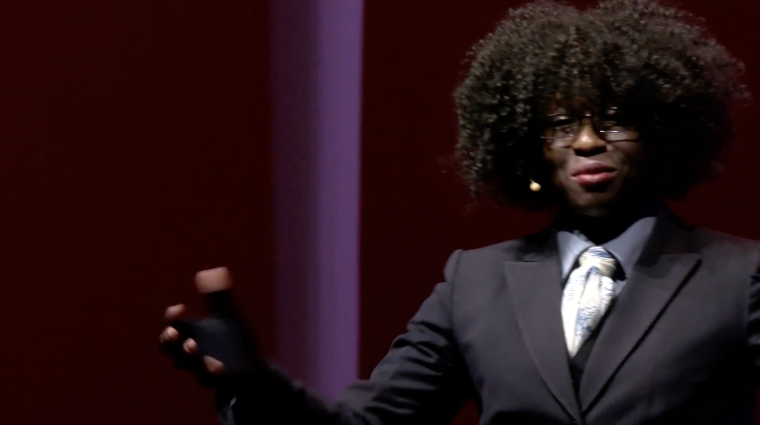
column 215, row 349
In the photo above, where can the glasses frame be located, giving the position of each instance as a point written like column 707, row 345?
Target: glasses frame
column 567, row 139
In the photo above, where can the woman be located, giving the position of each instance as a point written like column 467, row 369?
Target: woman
column 618, row 313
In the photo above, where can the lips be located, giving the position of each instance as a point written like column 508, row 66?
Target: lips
column 593, row 173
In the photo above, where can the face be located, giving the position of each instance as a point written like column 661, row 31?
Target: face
column 596, row 157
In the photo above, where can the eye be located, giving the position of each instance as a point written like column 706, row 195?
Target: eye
column 613, row 117
column 560, row 121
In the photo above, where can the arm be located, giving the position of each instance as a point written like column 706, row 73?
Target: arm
column 753, row 325
column 422, row 380
column 753, row 312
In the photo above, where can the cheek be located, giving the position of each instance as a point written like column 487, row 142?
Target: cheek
column 633, row 158
column 555, row 161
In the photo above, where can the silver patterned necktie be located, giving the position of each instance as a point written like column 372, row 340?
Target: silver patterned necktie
column 587, row 295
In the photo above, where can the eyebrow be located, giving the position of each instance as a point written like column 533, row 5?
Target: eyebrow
column 603, row 110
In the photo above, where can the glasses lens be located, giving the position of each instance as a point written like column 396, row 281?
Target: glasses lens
column 621, row 135
column 617, row 131
column 560, row 129
column 611, row 127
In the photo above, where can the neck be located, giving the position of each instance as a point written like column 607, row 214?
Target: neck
column 602, row 229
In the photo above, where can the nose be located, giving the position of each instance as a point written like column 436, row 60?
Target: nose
column 587, row 142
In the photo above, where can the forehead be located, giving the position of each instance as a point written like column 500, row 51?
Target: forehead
column 576, row 104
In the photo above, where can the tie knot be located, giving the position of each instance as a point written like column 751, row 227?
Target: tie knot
column 600, row 258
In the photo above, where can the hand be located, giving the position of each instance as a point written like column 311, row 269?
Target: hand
column 207, row 347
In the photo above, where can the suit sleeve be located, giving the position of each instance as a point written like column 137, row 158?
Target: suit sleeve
column 422, row 380
column 753, row 324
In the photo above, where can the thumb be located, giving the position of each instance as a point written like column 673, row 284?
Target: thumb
column 215, row 285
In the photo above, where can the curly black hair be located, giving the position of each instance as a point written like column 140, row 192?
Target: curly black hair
column 656, row 61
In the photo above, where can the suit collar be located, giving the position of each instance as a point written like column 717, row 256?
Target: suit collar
column 665, row 265
column 533, row 282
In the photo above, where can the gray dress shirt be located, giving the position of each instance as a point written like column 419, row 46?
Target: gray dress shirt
column 626, row 248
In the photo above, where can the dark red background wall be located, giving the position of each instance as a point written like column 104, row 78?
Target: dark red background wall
column 413, row 216
column 133, row 152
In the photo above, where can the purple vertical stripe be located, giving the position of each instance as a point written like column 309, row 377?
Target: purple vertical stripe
column 316, row 101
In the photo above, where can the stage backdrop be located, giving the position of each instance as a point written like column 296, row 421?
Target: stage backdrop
column 134, row 153
column 413, row 216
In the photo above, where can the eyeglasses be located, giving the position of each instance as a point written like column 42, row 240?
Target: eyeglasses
column 611, row 127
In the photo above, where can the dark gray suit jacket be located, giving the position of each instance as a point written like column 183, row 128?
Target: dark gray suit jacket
column 680, row 345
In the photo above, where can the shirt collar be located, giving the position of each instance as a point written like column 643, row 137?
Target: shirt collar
column 626, row 248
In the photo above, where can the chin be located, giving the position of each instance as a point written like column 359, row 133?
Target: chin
column 595, row 211
column 593, row 204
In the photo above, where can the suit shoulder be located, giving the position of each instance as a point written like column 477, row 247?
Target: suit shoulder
column 723, row 247
column 713, row 239
column 499, row 249
column 486, row 257
column 506, row 250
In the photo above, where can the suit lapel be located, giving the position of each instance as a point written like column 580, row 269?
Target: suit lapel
column 536, row 292
column 664, row 266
